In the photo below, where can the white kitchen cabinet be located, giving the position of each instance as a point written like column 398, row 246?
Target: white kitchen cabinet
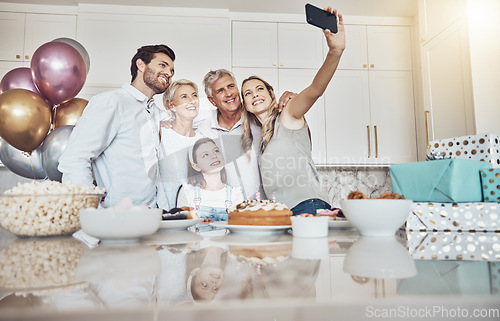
column 347, row 118
column 200, row 44
column 23, row 33
column 437, row 15
column 12, row 35
column 447, row 84
column 369, row 105
column 377, row 48
column 370, row 118
column 254, row 44
column 276, row 45
column 392, row 113
column 355, row 55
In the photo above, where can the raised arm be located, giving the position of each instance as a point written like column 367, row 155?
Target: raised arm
column 293, row 115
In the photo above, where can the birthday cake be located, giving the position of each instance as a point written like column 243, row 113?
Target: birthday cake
column 263, row 212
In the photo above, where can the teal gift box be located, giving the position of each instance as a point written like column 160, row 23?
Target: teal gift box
column 490, row 180
column 445, row 180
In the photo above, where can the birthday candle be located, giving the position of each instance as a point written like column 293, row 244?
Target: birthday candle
column 274, row 197
column 257, row 196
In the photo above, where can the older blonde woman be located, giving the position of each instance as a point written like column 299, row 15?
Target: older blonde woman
column 285, row 163
column 181, row 101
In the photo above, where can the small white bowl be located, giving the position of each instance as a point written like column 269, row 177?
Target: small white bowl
column 376, row 217
column 379, row 257
column 112, row 224
column 310, row 226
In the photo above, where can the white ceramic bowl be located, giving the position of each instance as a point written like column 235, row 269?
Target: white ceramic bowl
column 376, row 217
column 312, row 226
column 379, row 257
column 111, row 224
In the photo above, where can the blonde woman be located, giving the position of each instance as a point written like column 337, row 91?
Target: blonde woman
column 182, row 102
column 285, row 163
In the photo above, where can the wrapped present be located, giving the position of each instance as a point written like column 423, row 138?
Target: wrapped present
column 453, row 246
column 445, row 180
column 462, row 217
column 484, row 148
column 490, row 180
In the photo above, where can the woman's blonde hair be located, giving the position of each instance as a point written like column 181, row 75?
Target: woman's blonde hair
column 168, row 95
column 195, row 178
column 248, row 118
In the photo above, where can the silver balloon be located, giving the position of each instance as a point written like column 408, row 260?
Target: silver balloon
column 52, row 148
column 78, row 46
column 17, row 162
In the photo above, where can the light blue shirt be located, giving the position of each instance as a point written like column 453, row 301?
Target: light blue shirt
column 116, row 137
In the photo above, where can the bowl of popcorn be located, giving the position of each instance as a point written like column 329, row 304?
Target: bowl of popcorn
column 309, row 225
column 45, row 208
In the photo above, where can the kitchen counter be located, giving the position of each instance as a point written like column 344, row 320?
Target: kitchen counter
column 264, row 277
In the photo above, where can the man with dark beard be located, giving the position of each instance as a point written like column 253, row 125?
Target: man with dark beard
column 116, row 140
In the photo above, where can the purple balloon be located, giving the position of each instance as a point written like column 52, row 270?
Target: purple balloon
column 58, row 71
column 18, row 78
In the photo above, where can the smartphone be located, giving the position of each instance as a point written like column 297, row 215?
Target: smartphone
column 321, row 18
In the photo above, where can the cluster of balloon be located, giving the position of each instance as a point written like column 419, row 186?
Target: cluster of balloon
column 40, row 98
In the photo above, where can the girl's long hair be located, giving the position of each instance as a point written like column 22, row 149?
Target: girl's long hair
column 248, row 118
column 195, row 178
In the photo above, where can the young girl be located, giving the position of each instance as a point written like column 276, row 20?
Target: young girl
column 285, row 163
column 207, row 190
column 205, row 273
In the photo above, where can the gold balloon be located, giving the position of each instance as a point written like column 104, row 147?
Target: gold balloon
column 69, row 112
column 24, row 119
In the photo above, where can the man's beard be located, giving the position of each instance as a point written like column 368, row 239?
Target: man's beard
column 151, row 80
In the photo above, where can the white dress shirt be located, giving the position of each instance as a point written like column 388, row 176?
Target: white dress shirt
column 116, row 137
column 242, row 171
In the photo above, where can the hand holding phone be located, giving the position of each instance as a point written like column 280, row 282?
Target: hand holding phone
column 321, row 18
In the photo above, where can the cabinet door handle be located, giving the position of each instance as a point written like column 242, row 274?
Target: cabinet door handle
column 369, row 142
column 282, row 64
column 376, row 141
column 426, row 113
column 274, row 63
column 18, row 56
column 372, row 66
column 26, row 57
column 364, row 65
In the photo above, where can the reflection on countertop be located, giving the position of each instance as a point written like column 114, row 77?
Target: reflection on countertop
column 178, row 273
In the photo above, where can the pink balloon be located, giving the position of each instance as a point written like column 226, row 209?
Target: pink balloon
column 58, row 71
column 18, row 78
